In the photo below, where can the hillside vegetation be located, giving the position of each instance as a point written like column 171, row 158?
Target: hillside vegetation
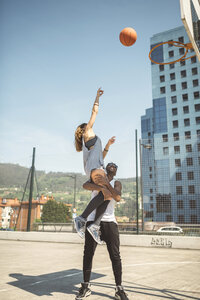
column 60, row 185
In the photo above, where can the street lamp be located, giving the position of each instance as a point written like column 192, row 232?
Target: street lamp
column 145, row 146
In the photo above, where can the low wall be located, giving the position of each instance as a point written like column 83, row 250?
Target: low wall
column 175, row 242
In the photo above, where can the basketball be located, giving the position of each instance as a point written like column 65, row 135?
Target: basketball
column 128, row 36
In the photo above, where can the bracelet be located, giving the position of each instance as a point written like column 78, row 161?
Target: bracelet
column 105, row 150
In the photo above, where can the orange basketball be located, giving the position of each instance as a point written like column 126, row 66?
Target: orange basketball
column 128, row 36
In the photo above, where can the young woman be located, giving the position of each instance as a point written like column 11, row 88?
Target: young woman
column 93, row 160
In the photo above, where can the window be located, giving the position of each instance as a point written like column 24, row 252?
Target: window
column 192, row 204
column 150, row 176
column 149, row 214
column 173, row 87
column 162, row 78
column 180, row 204
column 165, row 137
column 189, row 161
column 195, row 82
column 186, row 109
column 172, row 76
column 199, row 160
column 171, row 66
column 184, row 85
column 178, row 176
column 162, row 90
column 176, row 149
column 161, row 67
column 194, row 219
column 186, row 122
column 181, row 39
column 150, row 169
column 191, row 189
column 181, row 219
column 177, row 163
column 196, row 95
column 188, row 148
column 171, row 53
column 185, row 97
column 187, row 135
column 179, row 190
column 198, row 147
column 170, row 44
column 151, row 198
column 165, row 150
column 194, row 71
column 182, row 63
column 151, row 191
column 183, row 73
column 174, row 111
column 190, row 175
column 198, row 132
column 173, row 99
column 197, row 120
column 176, row 136
column 151, row 206
column 168, row 218
column 175, row 124
column 193, row 60
column 181, row 51
column 197, row 107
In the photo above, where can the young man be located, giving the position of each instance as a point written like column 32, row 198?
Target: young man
column 109, row 234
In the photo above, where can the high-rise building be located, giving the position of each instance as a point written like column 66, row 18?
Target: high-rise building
column 170, row 145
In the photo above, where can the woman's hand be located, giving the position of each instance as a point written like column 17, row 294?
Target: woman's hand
column 111, row 141
column 99, row 92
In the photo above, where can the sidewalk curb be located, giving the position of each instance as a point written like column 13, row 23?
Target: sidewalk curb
column 158, row 241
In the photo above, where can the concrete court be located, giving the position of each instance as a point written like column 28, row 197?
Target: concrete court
column 41, row 270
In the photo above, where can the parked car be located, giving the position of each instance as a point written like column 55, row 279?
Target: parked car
column 170, row 229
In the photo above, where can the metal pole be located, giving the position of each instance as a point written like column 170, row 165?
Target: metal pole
column 136, row 154
column 31, row 191
column 141, row 185
column 75, row 191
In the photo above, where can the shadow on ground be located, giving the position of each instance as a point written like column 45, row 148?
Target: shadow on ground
column 66, row 282
column 47, row 284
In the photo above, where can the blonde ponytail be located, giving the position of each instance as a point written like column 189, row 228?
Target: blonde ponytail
column 79, row 137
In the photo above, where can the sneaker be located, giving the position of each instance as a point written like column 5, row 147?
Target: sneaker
column 84, row 291
column 95, row 232
column 79, row 224
column 120, row 293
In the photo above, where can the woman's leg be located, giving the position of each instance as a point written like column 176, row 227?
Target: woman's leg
column 100, row 212
column 93, row 204
column 96, row 176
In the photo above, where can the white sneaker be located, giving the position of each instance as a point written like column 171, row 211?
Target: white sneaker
column 79, row 224
column 95, row 232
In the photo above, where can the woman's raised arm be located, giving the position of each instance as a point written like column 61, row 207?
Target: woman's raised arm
column 95, row 109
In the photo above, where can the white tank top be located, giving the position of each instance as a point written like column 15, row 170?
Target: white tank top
column 109, row 215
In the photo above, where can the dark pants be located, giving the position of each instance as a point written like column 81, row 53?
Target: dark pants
column 109, row 234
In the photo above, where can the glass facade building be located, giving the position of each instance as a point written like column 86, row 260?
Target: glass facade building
column 170, row 131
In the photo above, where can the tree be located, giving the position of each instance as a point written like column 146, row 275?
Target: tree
column 54, row 212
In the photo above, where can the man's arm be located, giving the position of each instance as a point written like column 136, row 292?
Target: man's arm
column 116, row 191
column 88, row 185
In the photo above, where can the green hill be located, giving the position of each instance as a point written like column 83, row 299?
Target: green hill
column 60, row 185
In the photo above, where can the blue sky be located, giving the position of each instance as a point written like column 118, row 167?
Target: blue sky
column 54, row 55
